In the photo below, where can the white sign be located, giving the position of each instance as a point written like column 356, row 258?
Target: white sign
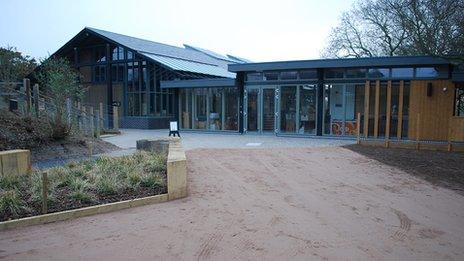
column 173, row 125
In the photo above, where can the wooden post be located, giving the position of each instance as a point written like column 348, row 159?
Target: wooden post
column 97, row 126
column 27, row 88
column 358, row 128
column 79, row 116
column 36, row 99
column 418, row 132
column 90, row 145
column 115, row 118
column 377, row 109
column 366, row 108
column 101, row 117
column 388, row 119
column 400, row 110
column 44, row 193
column 91, row 122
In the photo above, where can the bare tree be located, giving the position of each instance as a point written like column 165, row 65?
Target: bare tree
column 399, row 27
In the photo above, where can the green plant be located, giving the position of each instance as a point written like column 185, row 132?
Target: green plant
column 152, row 180
column 11, row 203
column 77, row 184
column 36, row 188
column 107, row 185
column 134, row 179
column 9, row 182
column 82, row 196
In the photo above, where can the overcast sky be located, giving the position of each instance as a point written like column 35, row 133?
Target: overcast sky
column 258, row 30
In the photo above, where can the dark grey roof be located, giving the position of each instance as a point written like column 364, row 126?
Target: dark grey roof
column 340, row 63
column 176, row 58
column 202, row 83
column 239, row 59
column 209, row 53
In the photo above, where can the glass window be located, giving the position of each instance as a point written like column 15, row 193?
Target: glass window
column 402, row 72
column 354, row 104
column 288, row 109
column 254, row 77
column 459, row 102
column 215, row 109
column 200, row 100
column 99, row 73
column 289, row 75
column 130, row 55
column 117, row 53
column 378, row 73
column 231, row 109
column 334, row 73
column 271, row 76
column 100, row 54
column 307, row 121
column 356, row 73
column 133, row 104
column 308, row 74
column 334, row 110
column 426, row 72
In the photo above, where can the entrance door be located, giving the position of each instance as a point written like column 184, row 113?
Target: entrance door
column 260, row 110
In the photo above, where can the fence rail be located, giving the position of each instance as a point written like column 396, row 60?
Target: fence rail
column 89, row 120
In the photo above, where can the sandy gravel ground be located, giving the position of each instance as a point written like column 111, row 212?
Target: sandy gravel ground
column 274, row 204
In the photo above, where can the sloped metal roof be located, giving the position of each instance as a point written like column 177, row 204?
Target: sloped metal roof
column 176, row 58
column 209, row 53
column 190, row 66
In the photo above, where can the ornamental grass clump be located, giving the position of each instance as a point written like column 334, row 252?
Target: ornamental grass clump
column 84, row 183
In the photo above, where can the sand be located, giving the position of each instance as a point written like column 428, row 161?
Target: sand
column 273, row 204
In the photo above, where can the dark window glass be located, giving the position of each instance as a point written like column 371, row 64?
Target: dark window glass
column 356, row 73
column 334, row 73
column 144, row 78
column 114, row 72
column 459, row 102
column 254, row 76
column 100, row 54
column 120, row 73
column 378, row 73
column 130, row 55
column 308, row 74
column 289, row 75
column 402, row 72
column 426, row 72
column 271, row 76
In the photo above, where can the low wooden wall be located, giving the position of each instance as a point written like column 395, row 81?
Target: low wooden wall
column 15, row 162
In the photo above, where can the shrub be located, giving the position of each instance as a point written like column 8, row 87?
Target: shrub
column 78, row 184
column 134, row 179
column 36, row 188
column 11, row 204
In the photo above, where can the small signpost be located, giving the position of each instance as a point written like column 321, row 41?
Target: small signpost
column 173, row 129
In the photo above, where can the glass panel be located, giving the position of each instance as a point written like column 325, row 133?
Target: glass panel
column 394, row 109
column 143, row 104
column 402, row 72
column 114, row 72
column 404, row 133
column 130, row 55
column 288, row 109
column 130, row 78
column 144, row 78
column 288, row 75
column 215, row 109
column 136, row 77
column 134, row 104
column 333, row 110
column 307, row 109
column 308, row 74
column 268, row 110
column 186, row 109
column 378, row 73
column 371, row 109
column 200, row 108
column 271, row 76
column 459, row 102
column 120, row 73
column 426, row 72
column 382, row 109
column 356, row 73
column 252, row 109
column 334, row 73
column 254, row 76
column 354, row 103
column 100, row 54
column 231, row 107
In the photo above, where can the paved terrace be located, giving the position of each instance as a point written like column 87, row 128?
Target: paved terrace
column 195, row 140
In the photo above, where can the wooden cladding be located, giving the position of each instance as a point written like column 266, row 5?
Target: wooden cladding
column 435, row 110
column 421, row 109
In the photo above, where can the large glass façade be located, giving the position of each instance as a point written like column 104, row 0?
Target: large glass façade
column 213, row 109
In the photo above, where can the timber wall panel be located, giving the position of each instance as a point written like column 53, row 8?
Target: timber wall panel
column 435, row 111
column 456, row 128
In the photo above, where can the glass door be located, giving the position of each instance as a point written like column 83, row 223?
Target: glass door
column 252, row 112
column 268, row 110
